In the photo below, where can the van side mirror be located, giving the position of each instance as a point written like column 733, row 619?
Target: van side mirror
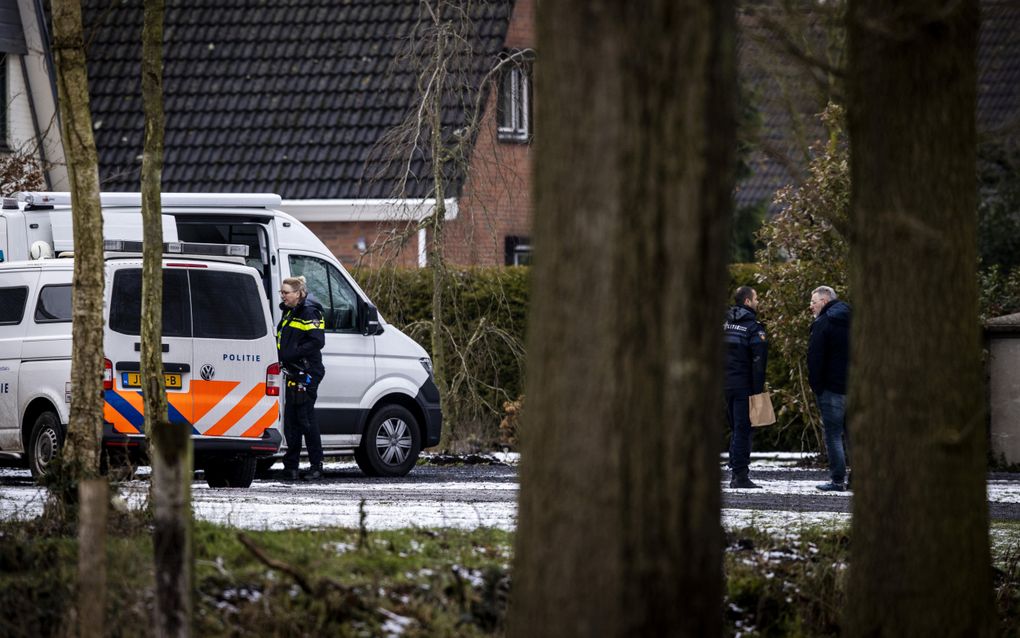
column 368, row 320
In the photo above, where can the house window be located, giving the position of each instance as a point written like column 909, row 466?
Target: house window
column 518, row 251
column 514, row 108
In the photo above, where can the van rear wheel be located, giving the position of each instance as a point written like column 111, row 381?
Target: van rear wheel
column 390, row 444
column 44, row 443
column 230, row 472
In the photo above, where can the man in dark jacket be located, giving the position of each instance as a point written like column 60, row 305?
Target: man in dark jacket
column 300, row 337
column 746, row 357
column 828, row 358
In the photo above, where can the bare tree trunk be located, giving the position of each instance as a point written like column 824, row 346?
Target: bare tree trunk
column 920, row 563
column 171, row 444
column 94, row 499
column 619, row 531
column 436, row 260
column 86, row 420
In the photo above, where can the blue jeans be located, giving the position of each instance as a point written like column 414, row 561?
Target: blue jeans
column 833, row 409
column 738, row 413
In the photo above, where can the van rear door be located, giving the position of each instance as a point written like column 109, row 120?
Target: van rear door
column 234, row 347
column 124, row 407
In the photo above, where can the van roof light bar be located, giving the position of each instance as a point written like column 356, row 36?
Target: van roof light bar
column 178, row 248
column 167, row 200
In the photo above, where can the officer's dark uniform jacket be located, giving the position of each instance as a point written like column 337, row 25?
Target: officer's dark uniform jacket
column 300, row 337
column 829, row 348
column 746, row 351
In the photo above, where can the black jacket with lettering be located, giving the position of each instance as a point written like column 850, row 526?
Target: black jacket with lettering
column 300, row 337
column 829, row 348
column 747, row 351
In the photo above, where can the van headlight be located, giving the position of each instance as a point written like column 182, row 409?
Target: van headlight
column 427, row 364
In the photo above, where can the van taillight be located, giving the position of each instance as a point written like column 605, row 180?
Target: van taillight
column 107, row 375
column 273, row 380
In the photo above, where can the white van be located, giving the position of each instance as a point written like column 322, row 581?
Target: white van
column 378, row 399
column 219, row 357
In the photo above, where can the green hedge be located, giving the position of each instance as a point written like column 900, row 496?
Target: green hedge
column 490, row 304
column 484, row 321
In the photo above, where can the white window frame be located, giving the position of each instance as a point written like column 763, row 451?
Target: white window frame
column 514, row 124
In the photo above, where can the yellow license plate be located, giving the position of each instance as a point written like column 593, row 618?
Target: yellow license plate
column 134, row 380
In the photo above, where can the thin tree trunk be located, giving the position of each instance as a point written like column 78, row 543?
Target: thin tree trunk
column 86, row 418
column 619, row 531
column 94, row 499
column 171, row 444
column 436, row 261
column 920, row 563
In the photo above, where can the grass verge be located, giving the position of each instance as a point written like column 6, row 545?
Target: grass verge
column 412, row 582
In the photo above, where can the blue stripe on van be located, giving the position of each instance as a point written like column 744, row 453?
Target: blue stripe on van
column 177, row 417
column 133, row 416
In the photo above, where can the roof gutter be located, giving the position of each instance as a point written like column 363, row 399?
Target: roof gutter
column 365, row 210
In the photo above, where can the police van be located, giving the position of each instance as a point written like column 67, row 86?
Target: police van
column 219, row 357
column 378, row 400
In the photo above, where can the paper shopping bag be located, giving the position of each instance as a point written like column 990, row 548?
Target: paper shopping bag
column 762, row 413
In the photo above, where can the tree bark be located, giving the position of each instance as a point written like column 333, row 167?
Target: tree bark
column 86, row 416
column 436, row 258
column 170, row 444
column 619, row 531
column 920, row 563
column 94, row 500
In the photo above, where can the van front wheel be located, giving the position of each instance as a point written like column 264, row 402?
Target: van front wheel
column 44, row 443
column 230, row 472
column 390, row 444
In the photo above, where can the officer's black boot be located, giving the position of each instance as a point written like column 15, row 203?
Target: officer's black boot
column 313, row 473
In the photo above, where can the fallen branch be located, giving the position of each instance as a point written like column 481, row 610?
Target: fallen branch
column 351, row 598
column 273, row 563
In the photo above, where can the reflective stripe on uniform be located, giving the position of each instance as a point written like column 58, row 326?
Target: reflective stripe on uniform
column 305, row 324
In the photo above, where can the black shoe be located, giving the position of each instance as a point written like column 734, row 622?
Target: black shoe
column 290, row 475
column 313, row 473
column 831, row 487
column 743, row 483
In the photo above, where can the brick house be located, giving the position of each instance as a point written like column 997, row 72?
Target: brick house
column 299, row 97
column 303, row 98
column 28, row 102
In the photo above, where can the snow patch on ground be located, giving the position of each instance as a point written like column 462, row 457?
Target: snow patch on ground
column 465, row 504
column 784, row 524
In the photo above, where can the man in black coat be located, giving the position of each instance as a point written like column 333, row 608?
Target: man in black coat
column 828, row 359
column 746, row 356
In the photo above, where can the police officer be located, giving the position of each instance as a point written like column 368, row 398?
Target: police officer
column 746, row 356
column 300, row 337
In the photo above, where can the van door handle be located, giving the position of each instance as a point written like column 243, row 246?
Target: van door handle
column 138, row 347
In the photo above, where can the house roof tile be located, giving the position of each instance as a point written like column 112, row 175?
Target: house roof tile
column 784, row 92
column 248, row 83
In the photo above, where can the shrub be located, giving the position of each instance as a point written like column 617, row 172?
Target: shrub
column 485, row 311
column 804, row 247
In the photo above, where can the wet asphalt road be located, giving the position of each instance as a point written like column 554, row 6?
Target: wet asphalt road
column 496, row 484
